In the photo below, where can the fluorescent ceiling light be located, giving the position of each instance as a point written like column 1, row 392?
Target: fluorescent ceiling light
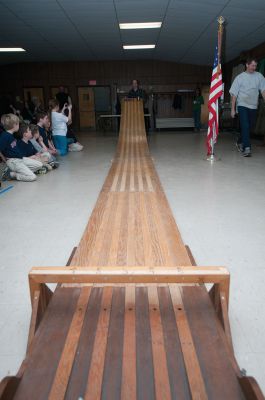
column 11, row 49
column 141, row 25
column 139, row 46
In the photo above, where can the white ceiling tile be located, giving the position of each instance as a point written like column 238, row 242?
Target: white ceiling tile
column 66, row 29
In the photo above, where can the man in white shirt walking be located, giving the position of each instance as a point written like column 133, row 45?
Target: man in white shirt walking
column 245, row 93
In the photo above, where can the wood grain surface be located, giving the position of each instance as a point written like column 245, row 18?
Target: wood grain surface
column 131, row 340
column 132, row 223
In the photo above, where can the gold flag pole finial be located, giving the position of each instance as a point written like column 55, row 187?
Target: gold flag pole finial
column 220, row 20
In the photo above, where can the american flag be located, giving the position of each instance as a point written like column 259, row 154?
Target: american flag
column 216, row 91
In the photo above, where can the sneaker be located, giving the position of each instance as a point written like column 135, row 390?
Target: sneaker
column 247, row 152
column 75, row 147
column 48, row 167
column 41, row 171
column 54, row 164
column 239, row 147
column 6, row 176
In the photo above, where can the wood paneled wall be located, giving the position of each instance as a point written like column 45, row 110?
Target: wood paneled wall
column 157, row 76
column 160, row 75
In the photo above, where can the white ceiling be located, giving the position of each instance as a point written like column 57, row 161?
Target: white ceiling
column 65, row 30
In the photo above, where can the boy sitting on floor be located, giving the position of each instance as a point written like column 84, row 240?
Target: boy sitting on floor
column 28, row 150
column 19, row 167
column 42, row 122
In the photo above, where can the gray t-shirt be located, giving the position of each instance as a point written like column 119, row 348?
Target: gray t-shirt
column 246, row 87
column 36, row 145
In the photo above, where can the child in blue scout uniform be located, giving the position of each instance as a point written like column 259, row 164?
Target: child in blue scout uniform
column 27, row 148
column 42, row 119
column 21, row 168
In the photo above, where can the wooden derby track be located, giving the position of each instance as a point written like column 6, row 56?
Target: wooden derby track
column 130, row 317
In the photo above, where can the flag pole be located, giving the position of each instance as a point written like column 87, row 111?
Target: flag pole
column 211, row 157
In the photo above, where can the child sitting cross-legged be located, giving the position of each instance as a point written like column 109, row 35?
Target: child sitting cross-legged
column 20, row 167
column 42, row 123
column 27, row 149
column 38, row 144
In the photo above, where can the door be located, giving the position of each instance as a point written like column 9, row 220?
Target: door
column 86, row 103
column 102, row 98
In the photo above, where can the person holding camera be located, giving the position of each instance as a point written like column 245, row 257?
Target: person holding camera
column 60, row 124
column 62, row 97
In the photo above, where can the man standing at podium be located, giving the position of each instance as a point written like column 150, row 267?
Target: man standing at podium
column 138, row 93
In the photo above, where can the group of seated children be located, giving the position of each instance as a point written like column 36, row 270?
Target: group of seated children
column 30, row 149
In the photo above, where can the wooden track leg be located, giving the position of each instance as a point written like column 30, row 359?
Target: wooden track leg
column 250, row 388
column 8, row 387
column 192, row 259
column 40, row 301
column 40, row 298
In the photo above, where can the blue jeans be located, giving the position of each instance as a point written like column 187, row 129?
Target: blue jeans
column 247, row 117
column 61, row 143
column 197, row 119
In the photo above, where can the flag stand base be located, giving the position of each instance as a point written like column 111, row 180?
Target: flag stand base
column 212, row 158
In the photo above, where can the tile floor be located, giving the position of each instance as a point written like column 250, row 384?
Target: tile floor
column 219, row 208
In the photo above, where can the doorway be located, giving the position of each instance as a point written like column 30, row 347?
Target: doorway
column 93, row 102
column 86, row 104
